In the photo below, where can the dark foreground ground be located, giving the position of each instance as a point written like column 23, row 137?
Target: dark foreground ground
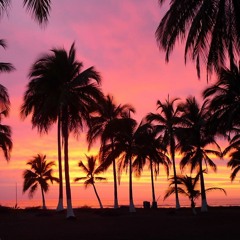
column 110, row 224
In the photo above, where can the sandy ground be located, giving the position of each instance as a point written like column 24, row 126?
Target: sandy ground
column 106, row 224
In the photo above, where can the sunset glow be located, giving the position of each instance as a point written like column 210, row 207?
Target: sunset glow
column 117, row 38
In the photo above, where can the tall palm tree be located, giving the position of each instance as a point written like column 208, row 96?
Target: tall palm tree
column 211, row 30
column 196, row 141
column 91, row 170
column 124, row 150
column 38, row 8
column 152, row 151
column 224, row 100
column 187, row 186
column 40, row 174
column 100, row 126
column 167, row 123
column 59, row 89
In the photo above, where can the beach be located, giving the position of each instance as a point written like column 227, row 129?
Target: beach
column 106, row 224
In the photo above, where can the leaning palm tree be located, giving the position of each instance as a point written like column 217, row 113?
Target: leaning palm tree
column 196, row 141
column 38, row 8
column 100, row 126
column 91, row 170
column 167, row 123
column 60, row 90
column 211, row 30
column 187, row 186
column 40, row 174
column 151, row 151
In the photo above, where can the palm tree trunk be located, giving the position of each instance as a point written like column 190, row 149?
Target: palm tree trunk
column 43, row 199
column 60, row 198
column 98, row 198
column 131, row 204
column 174, row 174
column 70, row 213
column 115, row 180
column 115, row 185
column 154, row 203
column 204, row 207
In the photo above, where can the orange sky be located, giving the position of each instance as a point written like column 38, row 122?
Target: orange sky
column 117, row 37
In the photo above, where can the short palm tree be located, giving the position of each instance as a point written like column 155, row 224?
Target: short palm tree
column 167, row 122
column 196, row 141
column 91, row 170
column 151, row 150
column 60, row 91
column 40, row 174
column 101, row 127
column 187, row 186
column 211, row 30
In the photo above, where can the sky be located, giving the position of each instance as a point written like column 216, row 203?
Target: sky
column 118, row 39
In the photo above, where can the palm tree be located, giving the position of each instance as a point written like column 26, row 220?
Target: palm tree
column 224, row 100
column 60, row 90
column 91, row 171
column 195, row 141
column 234, row 153
column 5, row 131
column 211, row 30
column 152, row 151
column 4, row 97
column 39, row 174
column 124, row 150
column 100, row 126
column 5, row 140
column 187, row 186
column 167, row 122
column 38, row 8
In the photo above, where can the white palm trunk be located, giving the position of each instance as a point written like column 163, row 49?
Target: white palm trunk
column 204, row 207
column 115, row 186
column 70, row 213
column 60, row 197
column 60, row 205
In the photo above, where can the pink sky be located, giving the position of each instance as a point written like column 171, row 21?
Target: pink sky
column 117, row 37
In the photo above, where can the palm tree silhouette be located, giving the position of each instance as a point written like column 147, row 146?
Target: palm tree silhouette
column 59, row 90
column 167, row 123
column 124, row 150
column 195, row 141
column 101, row 126
column 151, row 150
column 211, row 30
column 5, row 131
column 234, row 153
column 38, row 8
column 39, row 175
column 91, row 171
column 224, row 100
column 187, row 186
